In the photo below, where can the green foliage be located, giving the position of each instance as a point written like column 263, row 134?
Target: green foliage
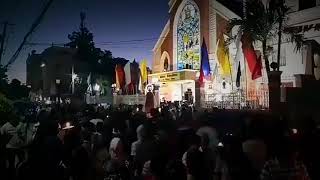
column 101, row 62
column 262, row 24
column 17, row 90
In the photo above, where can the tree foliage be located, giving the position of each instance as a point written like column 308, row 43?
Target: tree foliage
column 261, row 23
column 14, row 90
column 5, row 108
column 101, row 62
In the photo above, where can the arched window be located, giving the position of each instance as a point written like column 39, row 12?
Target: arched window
column 188, row 37
column 165, row 65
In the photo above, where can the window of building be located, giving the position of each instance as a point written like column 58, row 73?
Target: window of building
column 188, row 37
column 306, row 4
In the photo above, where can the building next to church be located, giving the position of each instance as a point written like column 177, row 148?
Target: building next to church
column 49, row 73
column 177, row 54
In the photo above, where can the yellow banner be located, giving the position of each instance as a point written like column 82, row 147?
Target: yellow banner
column 174, row 76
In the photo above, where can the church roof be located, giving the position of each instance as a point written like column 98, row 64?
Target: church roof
column 235, row 6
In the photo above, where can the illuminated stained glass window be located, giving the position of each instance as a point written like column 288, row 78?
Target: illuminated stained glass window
column 188, row 38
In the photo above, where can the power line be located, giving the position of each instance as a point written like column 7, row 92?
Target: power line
column 33, row 27
column 4, row 38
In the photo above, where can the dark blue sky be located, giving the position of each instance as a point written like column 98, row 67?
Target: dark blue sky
column 109, row 20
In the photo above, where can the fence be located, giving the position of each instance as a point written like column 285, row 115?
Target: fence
column 238, row 100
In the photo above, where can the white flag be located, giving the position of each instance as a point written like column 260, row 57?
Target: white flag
column 239, row 54
column 127, row 72
column 89, row 89
column 140, row 84
column 89, row 79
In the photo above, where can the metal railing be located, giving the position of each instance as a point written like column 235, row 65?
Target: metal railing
column 238, row 100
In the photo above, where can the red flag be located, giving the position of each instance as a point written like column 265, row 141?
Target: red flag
column 253, row 61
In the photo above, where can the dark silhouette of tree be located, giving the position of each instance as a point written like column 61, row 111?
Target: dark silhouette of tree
column 17, row 90
column 101, row 63
column 83, row 41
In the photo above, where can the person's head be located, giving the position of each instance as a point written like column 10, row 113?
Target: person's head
column 195, row 163
column 116, row 149
column 140, row 132
column 140, row 106
column 99, row 127
column 158, row 166
column 285, row 149
column 195, row 141
column 13, row 119
column 205, row 141
column 48, row 128
column 175, row 170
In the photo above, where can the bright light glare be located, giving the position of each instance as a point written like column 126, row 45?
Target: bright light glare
column 96, row 87
column 295, row 131
column 220, row 144
column 74, row 76
column 68, row 126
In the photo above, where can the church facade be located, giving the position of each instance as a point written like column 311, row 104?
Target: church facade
column 177, row 58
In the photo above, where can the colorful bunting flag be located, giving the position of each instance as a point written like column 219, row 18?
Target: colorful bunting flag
column 223, row 57
column 205, row 66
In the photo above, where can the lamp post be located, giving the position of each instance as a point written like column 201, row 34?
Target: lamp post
column 43, row 77
column 58, row 82
column 114, row 86
column 74, row 76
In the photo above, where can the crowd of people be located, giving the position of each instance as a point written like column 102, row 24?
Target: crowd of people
column 168, row 143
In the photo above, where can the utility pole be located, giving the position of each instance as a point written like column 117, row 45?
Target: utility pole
column 3, row 37
column 72, row 80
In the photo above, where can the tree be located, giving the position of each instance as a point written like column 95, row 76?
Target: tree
column 83, row 41
column 17, row 90
column 263, row 23
column 101, row 62
column 5, row 109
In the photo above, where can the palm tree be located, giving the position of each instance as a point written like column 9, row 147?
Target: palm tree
column 263, row 23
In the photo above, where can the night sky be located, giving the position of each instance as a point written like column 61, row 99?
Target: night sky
column 109, row 21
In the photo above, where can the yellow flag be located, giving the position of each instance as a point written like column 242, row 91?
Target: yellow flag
column 223, row 57
column 143, row 71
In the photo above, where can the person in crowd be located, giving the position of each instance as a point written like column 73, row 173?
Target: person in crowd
column 285, row 164
column 135, row 145
column 45, row 155
column 233, row 163
column 118, row 166
column 254, row 146
column 310, row 148
column 127, row 144
column 196, row 165
column 13, row 143
column 209, row 154
column 175, row 169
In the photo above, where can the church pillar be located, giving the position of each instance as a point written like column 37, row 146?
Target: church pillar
column 199, row 95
